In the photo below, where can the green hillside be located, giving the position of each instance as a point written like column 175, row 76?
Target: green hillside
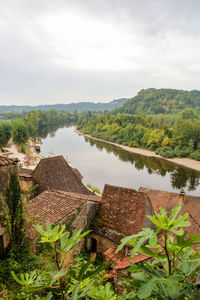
column 71, row 107
column 156, row 101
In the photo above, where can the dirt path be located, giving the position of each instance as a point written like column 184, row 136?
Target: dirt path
column 186, row 162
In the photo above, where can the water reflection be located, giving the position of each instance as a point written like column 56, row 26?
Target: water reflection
column 51, row 130
column 180, row 177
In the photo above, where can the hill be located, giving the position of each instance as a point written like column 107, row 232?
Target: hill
column 80, row 107
column 156, row 101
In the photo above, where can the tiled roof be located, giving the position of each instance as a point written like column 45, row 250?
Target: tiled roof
column 52, row 206
column 123, row 263
column 56, row 173
column 6, row 161
column 124, row 210
column 168, row 200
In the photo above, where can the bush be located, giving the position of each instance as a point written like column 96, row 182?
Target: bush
column 23, row 262
column 195, row 155
column 165, row 152
column 23, row 150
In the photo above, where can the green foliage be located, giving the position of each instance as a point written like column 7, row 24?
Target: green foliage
column 23, row 148
column 54, row 283
column 103, row 292
column 93, row 188
column 167, row 136
column 21, row 261
column 14, row 218
column 156, row 101
column 174, row 265
column 19, row 131
column 33, row 123
column 5, row 133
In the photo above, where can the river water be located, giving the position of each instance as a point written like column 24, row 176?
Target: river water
column 101, row 163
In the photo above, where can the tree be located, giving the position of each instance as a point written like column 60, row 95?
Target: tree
column 188, row 114
column 32, row 120
column 19, row 131
column 15, row 220
column 5, row 133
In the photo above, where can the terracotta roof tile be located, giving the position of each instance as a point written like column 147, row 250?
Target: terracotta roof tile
column 124, row 210
column 168, row 200
column 123, row 263
column 51, row 206
column 6, row 161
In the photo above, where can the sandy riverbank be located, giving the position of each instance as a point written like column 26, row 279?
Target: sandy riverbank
column 29, row 160
column 186, row 162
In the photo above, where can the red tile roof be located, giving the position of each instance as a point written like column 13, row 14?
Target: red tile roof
column 4, row 161
column 123, row 263
column 168, row 200
column 52, row 206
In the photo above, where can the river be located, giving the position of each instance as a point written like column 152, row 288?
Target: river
column 101, row 163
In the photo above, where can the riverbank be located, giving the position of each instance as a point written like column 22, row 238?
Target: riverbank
column 27, row 160
column 186, row 162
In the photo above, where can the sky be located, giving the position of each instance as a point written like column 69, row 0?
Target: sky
column 63, row 51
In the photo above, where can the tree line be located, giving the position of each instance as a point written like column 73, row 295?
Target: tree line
column 31, row 124
column 167, row 135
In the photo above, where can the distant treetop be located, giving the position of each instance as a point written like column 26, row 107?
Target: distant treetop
column 156, row 101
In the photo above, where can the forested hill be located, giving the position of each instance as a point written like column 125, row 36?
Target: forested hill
column 80, row 107
column 156, row 101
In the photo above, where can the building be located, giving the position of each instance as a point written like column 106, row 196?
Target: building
column 74, row 210
column 123, row 212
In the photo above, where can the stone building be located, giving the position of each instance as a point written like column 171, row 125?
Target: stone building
column 7, row 167
column 74, row 210
column 123, row 212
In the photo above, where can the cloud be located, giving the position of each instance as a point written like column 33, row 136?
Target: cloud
column 64, row 51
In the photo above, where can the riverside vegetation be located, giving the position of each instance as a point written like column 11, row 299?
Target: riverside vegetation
column 162, row 120
column 167, row 135
column 170, row 272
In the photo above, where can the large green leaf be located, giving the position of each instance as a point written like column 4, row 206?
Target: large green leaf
column 51, row 233
column 168, row 287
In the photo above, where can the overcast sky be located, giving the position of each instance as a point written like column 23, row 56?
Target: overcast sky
column 61, row 51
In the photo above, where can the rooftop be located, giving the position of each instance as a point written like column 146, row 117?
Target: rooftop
column 4, row 161
column 123, row 263
column 190, row 204
column 124, row 210
column 52, row 206
column 56, row 173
